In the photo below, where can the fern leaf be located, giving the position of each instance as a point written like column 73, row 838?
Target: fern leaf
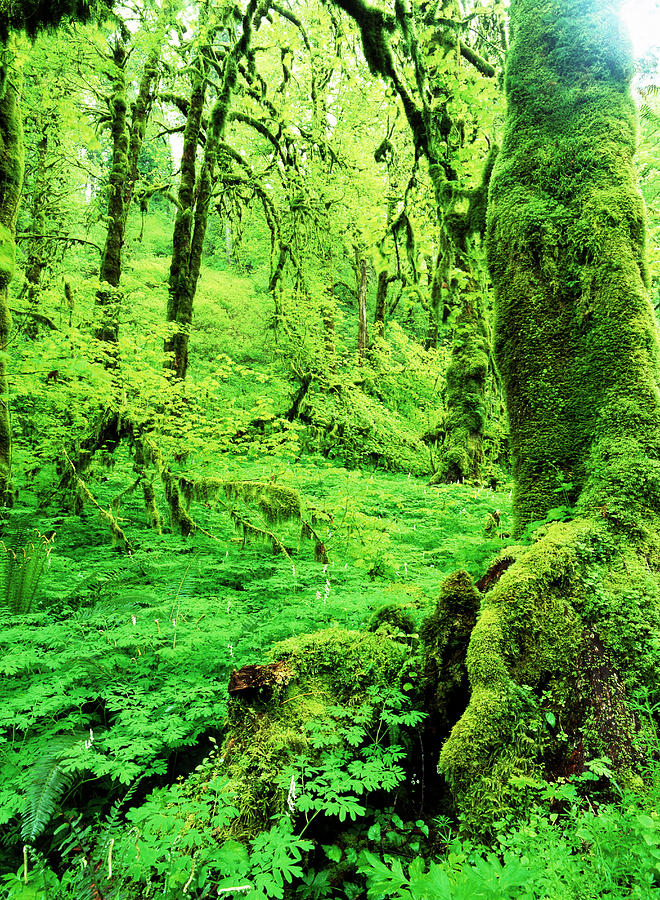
column 47, row 784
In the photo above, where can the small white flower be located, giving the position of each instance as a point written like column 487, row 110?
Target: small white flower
column 174, row 622
column 291, row 799
column 293, row 569
column 231, row 649
column 134, row 621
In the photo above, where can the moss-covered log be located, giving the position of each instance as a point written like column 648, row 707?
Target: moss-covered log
column 273, row 707
column 577, row 346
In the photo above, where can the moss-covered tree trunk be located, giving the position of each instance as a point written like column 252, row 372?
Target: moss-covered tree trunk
column 128, row 130
column 576, row 340
column 110, row 272
column 11, row 185
column 195, row 193
column 361, row 279
column 572, row 625
column 181, row 289
column 36, row 260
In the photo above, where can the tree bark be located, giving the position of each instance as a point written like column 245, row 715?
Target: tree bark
column 110, row 272
column 577, row 347
column 181, row 290
column 127, row 139
column 195, row 194
column 11, row 185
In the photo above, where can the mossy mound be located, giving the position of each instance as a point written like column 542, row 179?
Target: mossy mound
column 570, row 628
column 393, row 619
column 267, row 730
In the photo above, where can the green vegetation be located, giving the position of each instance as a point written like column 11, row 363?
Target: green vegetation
column 329, row 537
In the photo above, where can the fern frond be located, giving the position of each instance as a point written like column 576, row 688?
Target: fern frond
column 21, row 568
column 47, row 784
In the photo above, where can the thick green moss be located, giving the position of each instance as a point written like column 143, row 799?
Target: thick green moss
column 571, row 627
column 7, row 256
column 527, row 635
column 575, row 335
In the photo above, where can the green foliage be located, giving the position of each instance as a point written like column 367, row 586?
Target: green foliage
column 23, row 556
column 359, row 754
column 581, row 852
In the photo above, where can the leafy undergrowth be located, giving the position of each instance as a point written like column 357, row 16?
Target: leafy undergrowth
column 120, row 668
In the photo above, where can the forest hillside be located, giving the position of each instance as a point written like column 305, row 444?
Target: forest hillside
column 329, row 451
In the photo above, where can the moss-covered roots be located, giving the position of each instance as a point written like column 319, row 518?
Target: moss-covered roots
column 568, row 629
column 571, row 628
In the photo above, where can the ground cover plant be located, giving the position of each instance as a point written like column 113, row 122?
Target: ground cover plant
column 328, row 452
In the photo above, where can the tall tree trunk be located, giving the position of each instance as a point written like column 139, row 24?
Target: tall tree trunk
column 192, row 220
column 11, row 185
column 36, row 255
column 575, row 335
column 181, row 290
column 110, row 273
column 128, row 133
column 573, row 625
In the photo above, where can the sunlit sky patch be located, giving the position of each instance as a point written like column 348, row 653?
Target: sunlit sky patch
column 643, row 20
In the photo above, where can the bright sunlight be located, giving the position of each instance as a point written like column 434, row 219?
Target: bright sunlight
column 643, row 20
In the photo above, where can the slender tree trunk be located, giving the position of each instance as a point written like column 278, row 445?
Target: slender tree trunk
column 36, row 255
column 11, row 185
column 381, row 300
column 192, row 220
column 181, row 290
column 106, row 297
column 128, row 133
column 363, row 336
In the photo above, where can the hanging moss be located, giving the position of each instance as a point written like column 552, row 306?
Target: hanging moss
column 33, row 15
column 277, row 502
